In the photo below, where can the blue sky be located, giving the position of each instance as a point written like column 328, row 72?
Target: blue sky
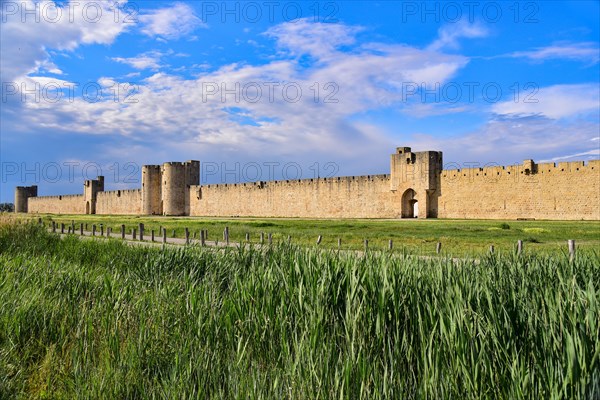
column 262, row 90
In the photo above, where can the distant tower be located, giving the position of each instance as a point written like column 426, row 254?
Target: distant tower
column 91, row 187
column 177, row 178
column 151, row 190
column 22, row 194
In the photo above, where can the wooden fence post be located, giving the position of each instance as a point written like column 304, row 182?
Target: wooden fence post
column 270, row 238
column 187, row 236
column 262, row 237
column 319, row 239
column 571, row 244
column 519, row 247
column 391, row 244
column 93, row 229
column 226, row 235
column 438, row 248
column 152, row 235
column 81, row 229
column 339, row 243
column 62, row 228
column 123, row 232
column 202, row 239
column 366, row 244
column 53, row 227
column 133, row 235
column 164, row 236
column 491, row 249
column 141, row 226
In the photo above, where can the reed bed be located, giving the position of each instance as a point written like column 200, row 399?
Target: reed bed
column 101, row 319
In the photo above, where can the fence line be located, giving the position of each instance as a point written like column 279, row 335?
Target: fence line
column 203, row 237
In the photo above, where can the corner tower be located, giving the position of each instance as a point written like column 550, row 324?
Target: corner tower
column 22, row 195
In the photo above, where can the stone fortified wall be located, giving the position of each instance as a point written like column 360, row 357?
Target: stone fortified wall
column 563, row 191
column 346, row 197
column 65, row 204
column 119, row 202
column 417, row 186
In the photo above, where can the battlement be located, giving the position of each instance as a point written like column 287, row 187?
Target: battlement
column 99, row 181
column 306, row 181
column 119, row 193
column 403, row 150
column 59, row 197
column 529, row 167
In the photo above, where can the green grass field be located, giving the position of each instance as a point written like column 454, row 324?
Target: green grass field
column 102, row 319
column 458, row 237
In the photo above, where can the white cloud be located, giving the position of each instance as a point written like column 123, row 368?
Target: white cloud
column 511, row 140
column 169, row 114
column 132, row 75
column 50, row 82
column 586, row 52
column 171, row 110
column 591, row 154
column 25, row 45
column 564, row 121
column 317, row 39
column 558, row 101
column 148, row 60
column 171, row 22
column 449, row 34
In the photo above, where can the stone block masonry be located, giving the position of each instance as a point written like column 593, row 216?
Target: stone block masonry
column 345, row 197
column 65, row 204
column 119, row 202
column 417, row 186
column 567, row 191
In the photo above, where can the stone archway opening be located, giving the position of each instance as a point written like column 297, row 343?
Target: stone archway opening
column 410, row 205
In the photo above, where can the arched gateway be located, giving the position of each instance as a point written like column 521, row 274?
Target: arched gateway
column 410, row 205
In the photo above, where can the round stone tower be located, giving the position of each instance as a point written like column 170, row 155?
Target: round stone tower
column 174, row 188
column 151, row 190
column 22, row 194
